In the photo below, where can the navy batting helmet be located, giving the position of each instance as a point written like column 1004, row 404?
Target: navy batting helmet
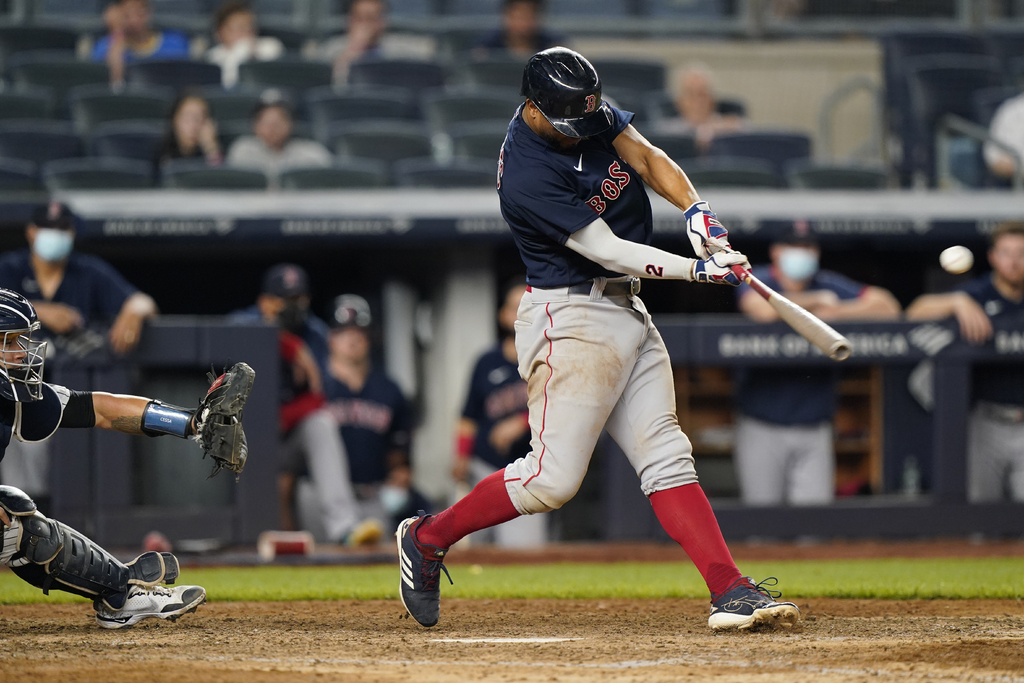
column 566, row 89
column 21, row 359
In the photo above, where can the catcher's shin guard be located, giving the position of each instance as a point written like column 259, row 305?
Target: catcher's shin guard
column 49, row 554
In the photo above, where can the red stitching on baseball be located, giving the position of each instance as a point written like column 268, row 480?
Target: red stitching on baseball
column 544, row 415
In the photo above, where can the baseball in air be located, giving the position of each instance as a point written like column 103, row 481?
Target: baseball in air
column 956, row 260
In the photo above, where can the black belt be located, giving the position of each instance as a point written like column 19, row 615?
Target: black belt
column 630, row 287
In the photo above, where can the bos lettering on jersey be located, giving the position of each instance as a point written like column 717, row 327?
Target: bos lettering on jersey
column 611, row 188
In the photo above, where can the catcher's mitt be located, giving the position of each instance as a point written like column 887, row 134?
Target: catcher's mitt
column 218, row 420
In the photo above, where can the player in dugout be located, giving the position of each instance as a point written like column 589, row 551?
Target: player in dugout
column 995, row 439
column 571, row 177
column 53, row 556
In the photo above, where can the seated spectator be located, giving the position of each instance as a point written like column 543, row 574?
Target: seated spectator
column 309, row 434
column 783, row 448
column 521, row 33
column 132, row 38
column 367, row 37
column 191, row 133
column 995, row 433
column 237, row 41
column 373, row 415
column 272, row 149
column 73, row 294
column 698, row 109
column 1008, row 127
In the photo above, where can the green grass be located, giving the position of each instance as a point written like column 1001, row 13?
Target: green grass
column 876, row 578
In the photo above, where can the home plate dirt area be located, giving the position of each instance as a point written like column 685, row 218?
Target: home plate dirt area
column 519, row 640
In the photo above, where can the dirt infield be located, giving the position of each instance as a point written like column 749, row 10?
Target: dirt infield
column 627, row 640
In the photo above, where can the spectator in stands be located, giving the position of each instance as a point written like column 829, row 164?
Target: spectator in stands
column 783, row 444
column 521, row 33
column 73, row 294
column 191, row 133
column 995, row 441
column 272, row 149
column 373, row 415
column 698, row 109
column 132, row 38
column 309, row 434
column 234, row 27
column 494, row 428
column 367, row 38
column 1008, row 127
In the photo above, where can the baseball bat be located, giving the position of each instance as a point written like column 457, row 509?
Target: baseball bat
column 810, row 327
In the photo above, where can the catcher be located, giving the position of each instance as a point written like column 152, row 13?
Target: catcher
column 51, row 555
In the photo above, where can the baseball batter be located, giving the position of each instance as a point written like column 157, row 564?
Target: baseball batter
column 571, row 177
column 53, row 556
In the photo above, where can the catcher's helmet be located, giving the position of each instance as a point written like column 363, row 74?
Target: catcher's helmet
column 21, row 359
column 351, row 310
column 567, row 90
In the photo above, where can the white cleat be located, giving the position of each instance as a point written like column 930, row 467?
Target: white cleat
column 158, row 602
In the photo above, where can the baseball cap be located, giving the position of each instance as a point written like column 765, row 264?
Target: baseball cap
column 799, row 235
column 286, row 280
column 53, row 215
column 350, row 310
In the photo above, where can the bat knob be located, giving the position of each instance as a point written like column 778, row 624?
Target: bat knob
column 840, row 350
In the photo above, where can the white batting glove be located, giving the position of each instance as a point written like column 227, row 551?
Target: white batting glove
column 718, row 268
column 706, row 233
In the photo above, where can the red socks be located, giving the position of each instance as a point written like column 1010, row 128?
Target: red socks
column 686, row 515
column 486, row 505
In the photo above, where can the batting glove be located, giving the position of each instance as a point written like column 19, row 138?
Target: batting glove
column 718, row 269
column 706, row 233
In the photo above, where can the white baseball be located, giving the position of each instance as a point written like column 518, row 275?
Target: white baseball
column 956, row 260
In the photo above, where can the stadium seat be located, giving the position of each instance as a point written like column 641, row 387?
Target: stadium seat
column 402, row 73
column 351, row 173
column 490, row 8
column 444, row 108
column 733, row 172
column 626, row 74
column 84, row 15
column 38, row 141
column 187, row 174
column 807, row 176
column 17, row 175
column 986, row 101
column 175, row 73
column 97, row 174
column 675, row 146
column 459, row 173
column 14, row 39
column 57, row 72
column 328, row 106
column 684, row 10
column 231, row 105
column 495, row 72
column 661, row 105
column 387, row 141
column 93, row 105
column 229, row 131
column 289, row 74
column 940, row 85
column 478, row 139
column 587, row 8
column 778, row 149
column 127, row 140
column 27, row 103
column 293, row 40
column 1008, row 47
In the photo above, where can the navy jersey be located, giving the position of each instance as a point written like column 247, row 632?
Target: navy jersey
column 90, row 285
column 495, row 393
column 32, row 420
column 374, row 422
column 793, row 396
column 996, row 382
column 548, row 194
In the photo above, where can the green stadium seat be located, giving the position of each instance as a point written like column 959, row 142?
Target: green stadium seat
column 97, row 174
column 186, row 174
column 351, row 173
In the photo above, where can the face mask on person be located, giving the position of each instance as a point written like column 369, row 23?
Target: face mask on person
column 798, row 264
column 393, row 498
column 53, row 245
column 293, row 317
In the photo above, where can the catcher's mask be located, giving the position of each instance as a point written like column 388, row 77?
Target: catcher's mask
column 21, row 358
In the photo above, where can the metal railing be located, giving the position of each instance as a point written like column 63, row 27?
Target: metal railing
column 871, row 148
column 951, row 125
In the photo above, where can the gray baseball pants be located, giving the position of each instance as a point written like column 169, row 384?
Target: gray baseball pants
column 995, row 457
column 779, row 464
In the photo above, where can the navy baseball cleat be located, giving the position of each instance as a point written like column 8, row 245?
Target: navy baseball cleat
column 747, row 604
column 421, row 567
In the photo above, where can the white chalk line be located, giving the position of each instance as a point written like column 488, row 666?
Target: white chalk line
column 638, row 664
column 503, row 640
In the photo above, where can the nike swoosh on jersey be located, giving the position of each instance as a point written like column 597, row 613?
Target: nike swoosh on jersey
column 579, row 166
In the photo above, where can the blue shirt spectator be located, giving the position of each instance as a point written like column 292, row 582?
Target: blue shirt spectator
column 132, row 38
column 521, row 32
